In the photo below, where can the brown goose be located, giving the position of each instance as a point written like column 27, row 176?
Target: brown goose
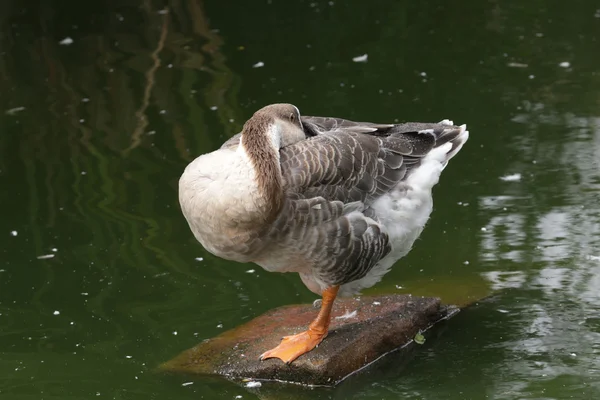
column 336, row 201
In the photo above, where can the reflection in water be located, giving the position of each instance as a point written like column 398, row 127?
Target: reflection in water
column 551, row 253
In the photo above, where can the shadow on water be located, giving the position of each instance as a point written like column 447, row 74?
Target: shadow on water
column 94, row 134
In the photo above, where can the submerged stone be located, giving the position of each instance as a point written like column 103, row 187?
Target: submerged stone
column 361, row 331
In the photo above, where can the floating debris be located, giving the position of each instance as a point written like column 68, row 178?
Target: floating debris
column 13, row 111
column 66, row 41
column 199, row 258
column 564, row 64
column 362, row 58
column 14, row 233
column 517, row 65
column 253, row 384
column 56, row 313
column 511, row 178
column 250, row 271
column 187, row 383
column 419, row 338
column 258, row 64
column 45, row 256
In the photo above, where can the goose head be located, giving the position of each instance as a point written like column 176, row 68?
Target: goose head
column 278, row 123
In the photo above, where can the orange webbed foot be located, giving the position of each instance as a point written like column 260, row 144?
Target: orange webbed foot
column 292, row 347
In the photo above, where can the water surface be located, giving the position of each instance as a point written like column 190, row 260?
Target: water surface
column 103, row 104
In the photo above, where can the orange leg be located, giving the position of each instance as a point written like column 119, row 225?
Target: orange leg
column 292, row 347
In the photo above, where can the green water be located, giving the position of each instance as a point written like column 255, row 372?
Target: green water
column 94, row 135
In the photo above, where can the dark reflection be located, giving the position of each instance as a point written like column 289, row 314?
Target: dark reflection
column 95, row 131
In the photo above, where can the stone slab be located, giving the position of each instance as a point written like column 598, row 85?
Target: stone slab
column 362, row 330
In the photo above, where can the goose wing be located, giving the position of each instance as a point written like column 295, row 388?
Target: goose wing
column 331, row 178
column 352, row 161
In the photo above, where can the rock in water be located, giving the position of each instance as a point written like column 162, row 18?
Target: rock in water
column 361, row 331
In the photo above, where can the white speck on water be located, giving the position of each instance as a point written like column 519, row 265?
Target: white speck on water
column 81, row 121
column 220, row 326
column 398, row 287
column 253, row 384
column 213, row 108
column 503, row 311
column 593, row 258
column 56, row 312
column 239, row 396
column 128, row 357
column 45, row 256
column 170, row 66
column 259, row 64
column 66, row 41
column 199, row 259
column 175, row 333
column 250, row 271
column 376, row 303
column 13, row 111
column 85, row 100
column 484, row 229
column 516, row 65
column 164, row 11
column 511, row 178
column 466, row 262
column 84, row 293
column 564, row 64
column 573, row 354
column 14, row 233
column 362, row 58
column 162, row 112
column 423, row 74
column 187, row 383
column 83, row 173
column 54, row 249
column 347, row 315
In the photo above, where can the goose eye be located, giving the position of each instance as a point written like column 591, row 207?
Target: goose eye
column 292, row 117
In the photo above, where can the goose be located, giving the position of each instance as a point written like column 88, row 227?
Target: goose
column 336, row 201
